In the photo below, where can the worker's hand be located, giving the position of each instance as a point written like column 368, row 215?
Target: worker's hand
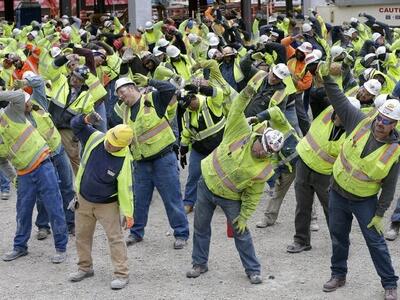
column 192, row 88
column 72, row 204
column 323, row 68
column 257, row 56
column 240, row 224
column 140, row 79
column 93, row 118
column 127, row 222
column 19, row 84
column 183, row 161
column 377, row 222
column 252, row 120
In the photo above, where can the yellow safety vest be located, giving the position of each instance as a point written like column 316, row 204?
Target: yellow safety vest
column 125, row 182
column 183, row 67
column 46, row 128
column 363, row 176
column 152, row 134
column 315, row 149
column 21, row 143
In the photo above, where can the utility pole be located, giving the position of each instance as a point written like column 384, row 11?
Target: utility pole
column 246, row 13
column 9, row 10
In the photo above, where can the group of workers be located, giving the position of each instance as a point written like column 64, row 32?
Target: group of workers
column 94, row 118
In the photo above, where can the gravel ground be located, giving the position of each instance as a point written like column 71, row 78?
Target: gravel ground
column 158, row 271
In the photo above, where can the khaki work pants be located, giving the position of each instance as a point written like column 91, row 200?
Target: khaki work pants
column 86, row 216
column 71, row 146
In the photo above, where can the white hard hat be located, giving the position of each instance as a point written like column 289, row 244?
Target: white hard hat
column 16, row 31
column 210, row 35
column 65, row 22
column 281, row 71
column 305, row 47
column 380, row 50
column 33, row 33
column 351, row 31
column 157, row 52
column 311, row 57
column 108, row 23
column 274, row 33
column 214, row 41
column 272, row 139
column 272, row 19
column 193, row 38
column 376, row 36
column 211, row 53
column 264, row 38
column 64, row 17
column 82, row 31
column 67, row 30
column 373, row 87
column 390, row 109
column 336, row 51
column 148, row 25
column 353, row 20
column 317, row 53
column 355, row 102
column 368, row 56
column 367, row 73
column 306, row 27
column 28, row 74
column 55, row 51
column 121, row 82
column 379, row 100
column 162, row 43
column 173, row 51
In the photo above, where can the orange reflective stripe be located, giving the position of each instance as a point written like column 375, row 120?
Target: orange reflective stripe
column 389, row 153
column 264, row 173
column 327, row 117
column 321, row 153
column 31, row 66
column 22, row 138
column 153, row 132
column 221, row 174
column 360, row 133
column 355, row 173
column 94, row 84
column 50, row 133
column 239, row 143
column 38, row 159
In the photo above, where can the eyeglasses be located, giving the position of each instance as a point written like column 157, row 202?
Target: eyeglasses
column 384, row 121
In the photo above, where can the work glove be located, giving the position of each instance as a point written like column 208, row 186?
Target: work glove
column 377, row 222
column 183, row 161
column 192, row 88
column 240, row 224
column 72, row 204
column 127, row 222
column 252, row 120
column 93, row 118
column 257, row 56
column 140, row 79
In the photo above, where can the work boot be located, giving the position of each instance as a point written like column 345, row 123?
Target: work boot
column 314, row 225
column 119, row 283
column 5, row 195
column 297, row 248
column 43, row 233
column 188, row 209
column 14, row 254
column 179, row 243
column 255, row 278
column 196, row 271
column 334, row 283
column 265, row 222
column 59, row 257
column 391, row 294
column 131, row 240
column 80, row 275
column 393, row 232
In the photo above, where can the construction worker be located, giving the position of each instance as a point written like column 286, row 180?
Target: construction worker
column 41, row 120
column 233, row 177
column 317, row 151
column 367, row 165
column 203, row 125
column 230, row 68
column 182, row 64
column 104, row 186
column 152, row 148
column 29, row 154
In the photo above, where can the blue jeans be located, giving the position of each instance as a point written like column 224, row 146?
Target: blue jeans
column 341, row 211
column 396, row 214
column 4, row 183
column 163, row 174
column 111, row 98
column 101, row 110
column 41, row 183
column 205, row 206
column 193, row 177
column 63, row 169
column 291, row 116
column 396, row 91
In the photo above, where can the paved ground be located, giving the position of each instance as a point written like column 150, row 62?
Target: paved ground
column 158, row 271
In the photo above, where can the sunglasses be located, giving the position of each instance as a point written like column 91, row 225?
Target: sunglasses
column 384, row 121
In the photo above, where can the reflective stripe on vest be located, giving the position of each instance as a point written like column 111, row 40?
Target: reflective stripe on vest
column 88, row 147
column 259, row 76
column 22, row 138
column 153, row 132
column 355, row 173
column 239, row 143
column 31, row 66
column 320, row 152
column 389, row 153
column 327, row 117
column 227, row 182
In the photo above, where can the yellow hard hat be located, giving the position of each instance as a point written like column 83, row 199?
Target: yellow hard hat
column 120, row 135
